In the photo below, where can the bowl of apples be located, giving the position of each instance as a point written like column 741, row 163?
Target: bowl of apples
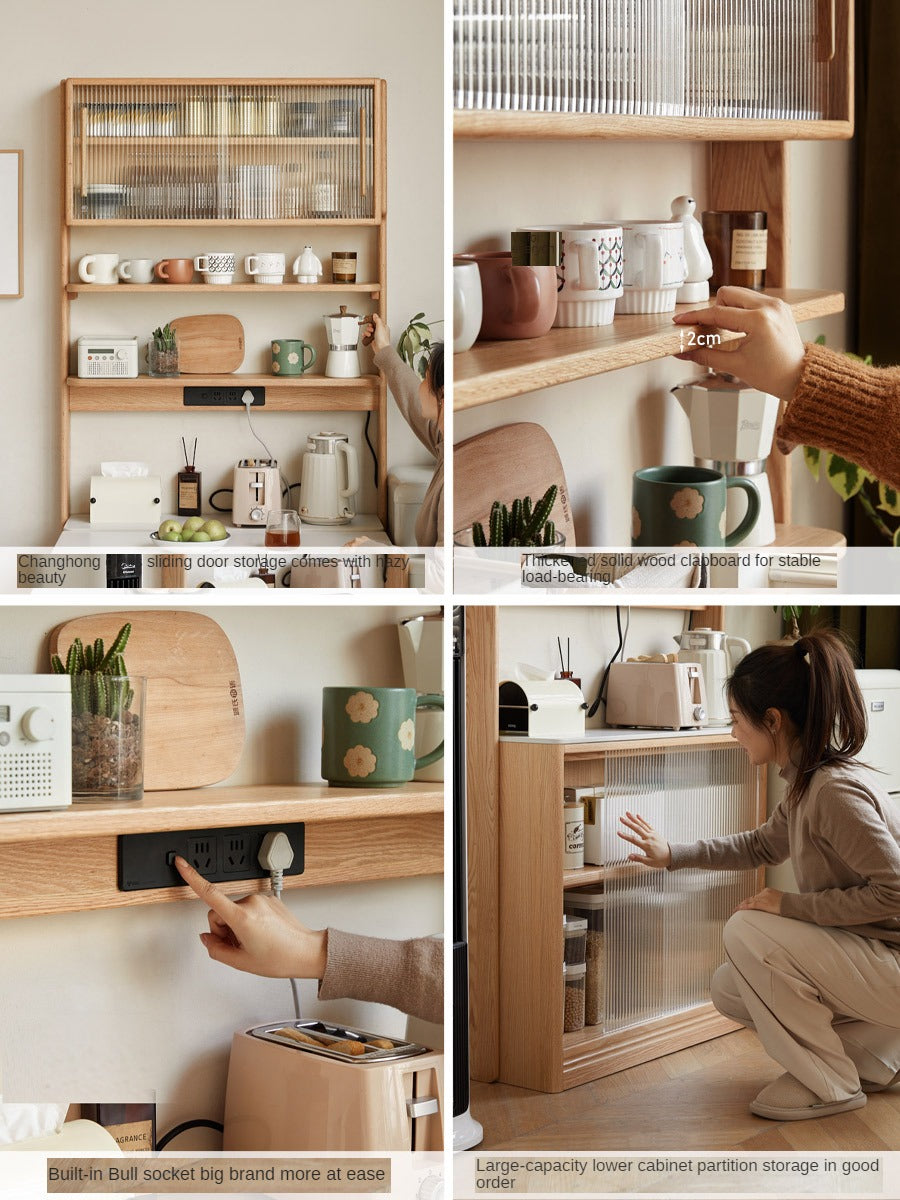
column 196, row 530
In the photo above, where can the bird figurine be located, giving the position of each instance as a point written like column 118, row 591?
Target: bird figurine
column 308, row 267
column 697, row 259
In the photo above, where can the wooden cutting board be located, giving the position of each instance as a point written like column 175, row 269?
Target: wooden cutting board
column 504, row 464
column 210, row 345
column 194, row 722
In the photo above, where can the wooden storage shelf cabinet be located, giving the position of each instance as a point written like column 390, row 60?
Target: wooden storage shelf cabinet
column 746, row 169
column 65, row 861
column 669, row 772
column 212, row 154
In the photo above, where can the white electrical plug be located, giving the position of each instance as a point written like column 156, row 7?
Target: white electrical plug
column 275, row 856
column 247, row 398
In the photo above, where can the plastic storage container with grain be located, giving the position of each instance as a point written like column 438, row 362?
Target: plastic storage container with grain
column 590, row 904
column 574, row 939
column 573, row 1009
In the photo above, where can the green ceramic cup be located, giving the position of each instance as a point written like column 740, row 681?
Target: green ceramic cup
column 289, row 356
column 369, row 735
column 685, row 506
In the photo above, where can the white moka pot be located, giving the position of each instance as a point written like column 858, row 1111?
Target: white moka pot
column 329, row 480
column 343, row 338
column 717, row 655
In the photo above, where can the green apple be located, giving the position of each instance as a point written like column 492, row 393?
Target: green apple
column 174, row 535
column 192, row 524
column 216, row 530
column 169, row 526
column 187, row 535
column 199, row 536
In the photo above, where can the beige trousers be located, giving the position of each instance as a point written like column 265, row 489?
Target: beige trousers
column 825, row 1003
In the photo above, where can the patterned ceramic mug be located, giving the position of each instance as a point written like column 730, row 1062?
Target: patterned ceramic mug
column 590, row 273
column 369, row 735
column 685, row 506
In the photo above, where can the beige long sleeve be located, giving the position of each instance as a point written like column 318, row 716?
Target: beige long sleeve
column 848, row 408
column 403, row 383
column 408, row 975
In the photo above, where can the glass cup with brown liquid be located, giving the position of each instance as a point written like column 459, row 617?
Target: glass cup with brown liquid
column 282, row 527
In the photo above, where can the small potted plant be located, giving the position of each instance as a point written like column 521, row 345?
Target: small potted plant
column 162, row 353
column 107, row 720
column 520, row 523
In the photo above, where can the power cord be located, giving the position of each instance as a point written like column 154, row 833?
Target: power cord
column 601, row 691
column 200, row 1123
column 275, row 856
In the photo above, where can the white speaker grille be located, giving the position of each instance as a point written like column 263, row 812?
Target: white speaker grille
column 26, row 777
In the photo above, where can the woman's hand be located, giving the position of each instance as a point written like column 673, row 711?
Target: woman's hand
column 257, row 934
column 378, row 333
column 768, row 900
column 654, row 848
column 770, row 355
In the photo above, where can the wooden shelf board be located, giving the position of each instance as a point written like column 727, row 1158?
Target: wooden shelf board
column 219, row 807
column 308, row 393
column 482, row 124
column 497, row 370
column 77, row 289
column 582, row 876
column 590, row 1054
column 800, row 536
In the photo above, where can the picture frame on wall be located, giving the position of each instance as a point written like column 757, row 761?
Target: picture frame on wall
column 11, row 268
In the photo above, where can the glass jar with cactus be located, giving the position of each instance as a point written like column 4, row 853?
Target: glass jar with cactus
column 107, row 720
column 162, row 352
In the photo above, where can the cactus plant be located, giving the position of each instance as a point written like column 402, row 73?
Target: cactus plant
column 519, row 524
column 99, row 677
column 107, row 730
column 164, row 337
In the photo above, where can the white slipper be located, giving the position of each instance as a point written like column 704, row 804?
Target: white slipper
column 869, row 1087
column 787, row 1099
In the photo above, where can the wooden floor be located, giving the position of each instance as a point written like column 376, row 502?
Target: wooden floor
column 693, row 1100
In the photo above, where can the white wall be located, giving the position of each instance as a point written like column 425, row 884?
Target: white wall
column 119, row 1004
column 528, row 635
column 275, row 38
column 607, row 426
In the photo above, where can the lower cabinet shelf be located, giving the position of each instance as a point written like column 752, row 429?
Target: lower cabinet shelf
column 65, row 861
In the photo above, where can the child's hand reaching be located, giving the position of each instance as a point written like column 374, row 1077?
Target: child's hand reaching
column 654, row 848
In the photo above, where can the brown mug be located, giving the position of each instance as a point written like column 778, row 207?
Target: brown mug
column 175, row 270
column 517, row 301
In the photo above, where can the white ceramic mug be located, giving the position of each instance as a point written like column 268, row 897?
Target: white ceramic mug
column 217, row 266
column 265, row 267
column 655, row 266
column 467, row 305
column 590, row 273
column 136, row 270
column 98, row 268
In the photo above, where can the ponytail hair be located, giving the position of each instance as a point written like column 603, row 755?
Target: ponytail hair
column 812, row 681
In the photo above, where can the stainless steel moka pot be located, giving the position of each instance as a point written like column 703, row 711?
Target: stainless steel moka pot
column 732, row 427
column 343, row 339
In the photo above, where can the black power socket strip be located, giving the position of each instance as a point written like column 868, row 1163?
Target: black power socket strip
column 146, row 860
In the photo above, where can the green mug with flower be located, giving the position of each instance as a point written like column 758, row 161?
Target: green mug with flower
column 369, row 735
column 686, row 506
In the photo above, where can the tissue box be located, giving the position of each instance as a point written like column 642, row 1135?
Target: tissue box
column 125, row 503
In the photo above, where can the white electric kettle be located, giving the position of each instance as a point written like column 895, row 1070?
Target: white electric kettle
column 717, row 654
column 326, row 498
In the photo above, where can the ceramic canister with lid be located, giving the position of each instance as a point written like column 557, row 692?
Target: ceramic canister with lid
column 573, row 835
